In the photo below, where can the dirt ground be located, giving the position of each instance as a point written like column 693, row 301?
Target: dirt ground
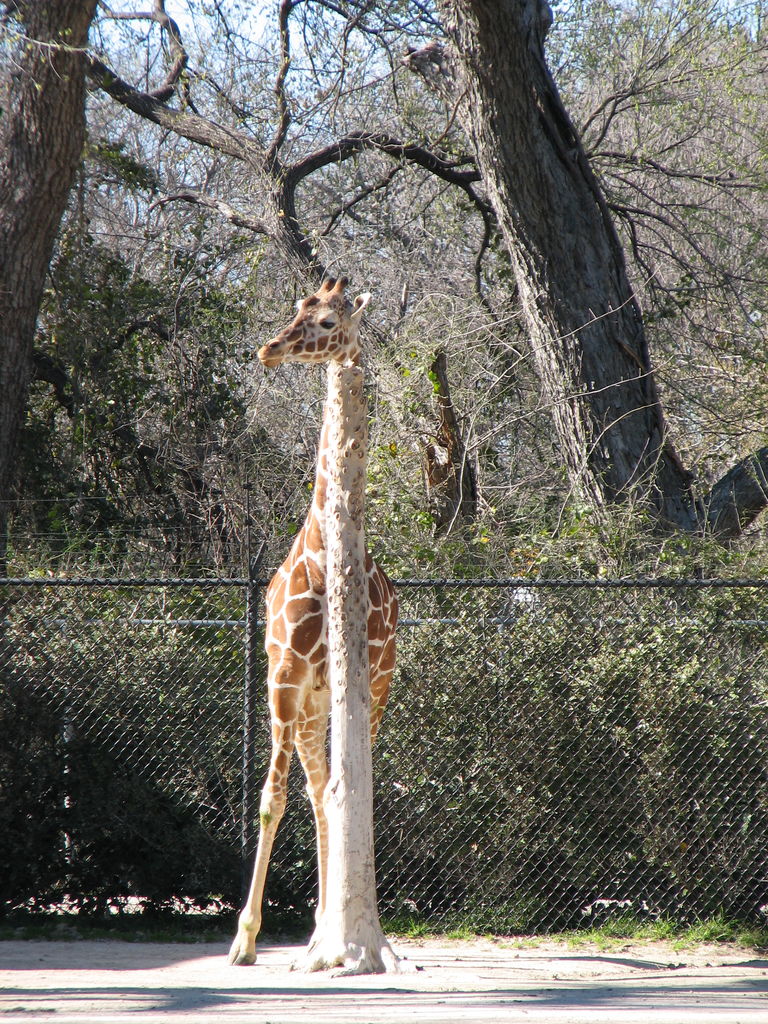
column 494, row 982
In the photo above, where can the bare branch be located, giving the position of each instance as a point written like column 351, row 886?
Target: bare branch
column 489, row 222
column 726, row 180
column 357, row 142
column 229, row 213
column 284, row 113
column 187, row 124
column 363, row 194
column 739, row 497
column 281, row 182
column 167, row 24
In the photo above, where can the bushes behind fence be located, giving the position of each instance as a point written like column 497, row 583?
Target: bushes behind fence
column 577, row 750
column 549, row 751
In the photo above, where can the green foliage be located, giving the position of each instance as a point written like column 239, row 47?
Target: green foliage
column 605, row 751
column 30, row 780
column 144, row 399
column 121, row 725
column 114, row 164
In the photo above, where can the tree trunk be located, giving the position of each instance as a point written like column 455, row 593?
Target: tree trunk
column 448, row 470
column 349, row 936
column 42, row 91
column 585, row 328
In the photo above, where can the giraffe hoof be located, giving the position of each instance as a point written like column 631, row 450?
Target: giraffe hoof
column 240, row 955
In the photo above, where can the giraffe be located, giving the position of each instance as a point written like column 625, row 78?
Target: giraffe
column 325, row 329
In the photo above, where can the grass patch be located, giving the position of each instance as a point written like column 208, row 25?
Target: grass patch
column 190, row 928
column 412, row 926
column 615, row 932
column 628, row 929
column 714, row 931
column 720, row 930
column 408, row 926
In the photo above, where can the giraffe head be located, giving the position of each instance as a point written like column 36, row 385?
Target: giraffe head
column 325, row 328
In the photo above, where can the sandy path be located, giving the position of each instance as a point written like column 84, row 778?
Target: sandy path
column 492, row 982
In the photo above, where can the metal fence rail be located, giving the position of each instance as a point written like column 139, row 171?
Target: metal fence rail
column 552, row 751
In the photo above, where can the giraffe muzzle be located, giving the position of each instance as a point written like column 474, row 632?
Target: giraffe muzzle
column 280, row 348
column 276, row 351
column 270, row 355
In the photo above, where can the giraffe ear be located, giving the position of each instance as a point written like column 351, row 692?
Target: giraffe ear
column 361, row 301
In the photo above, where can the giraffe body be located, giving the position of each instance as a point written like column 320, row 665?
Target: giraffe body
column 325, row 329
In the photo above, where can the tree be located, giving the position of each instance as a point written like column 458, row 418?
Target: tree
column 136, row 423
column 586, row 329
column 349, row 933
column 309, row 143
column 280, row 173
column 42, row 91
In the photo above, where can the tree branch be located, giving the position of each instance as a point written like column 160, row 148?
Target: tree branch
column 207, row 133
column 284, row 113
column 53, row 372
column 229, row 213
column 738, row 497
column 281, row 182
column 363, row 194
column 188, row 125
column 152, row 324
column 727, row 181
column 449, row 474
column 356, row 142
column 489, row 221
column 170, row 27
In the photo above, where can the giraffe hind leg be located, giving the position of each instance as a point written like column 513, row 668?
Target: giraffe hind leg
column 381, row 680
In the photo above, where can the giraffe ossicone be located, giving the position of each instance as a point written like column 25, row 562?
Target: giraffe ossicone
column 324, row 330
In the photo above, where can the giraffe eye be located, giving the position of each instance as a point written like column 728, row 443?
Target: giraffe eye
column 327, row 324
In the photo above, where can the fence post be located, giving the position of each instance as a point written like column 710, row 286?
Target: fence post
column 251, row 697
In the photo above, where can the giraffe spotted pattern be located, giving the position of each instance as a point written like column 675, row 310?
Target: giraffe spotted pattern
column 324, row 329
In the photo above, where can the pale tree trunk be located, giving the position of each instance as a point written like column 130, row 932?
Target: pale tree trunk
column 585, row 328
column 42, row 92
column 349, row 936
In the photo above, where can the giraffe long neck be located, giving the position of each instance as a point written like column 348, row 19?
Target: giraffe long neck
column 315, row 534
column 317, row 509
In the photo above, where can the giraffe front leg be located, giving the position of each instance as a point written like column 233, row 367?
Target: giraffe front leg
column 273, row 800
column 310, row 744
column 243, row 949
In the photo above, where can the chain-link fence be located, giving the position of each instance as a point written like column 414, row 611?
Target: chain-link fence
column 552, row 751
